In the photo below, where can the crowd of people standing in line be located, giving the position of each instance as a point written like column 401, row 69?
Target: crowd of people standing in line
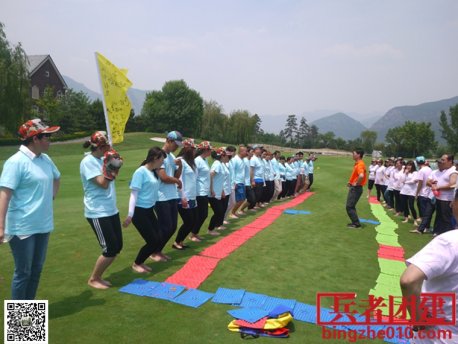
column 163, row 186
column 413, row 190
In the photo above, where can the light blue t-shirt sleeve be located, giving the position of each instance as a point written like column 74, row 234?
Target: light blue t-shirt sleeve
column 137, row 180
column 10, row 175
column 91, row 169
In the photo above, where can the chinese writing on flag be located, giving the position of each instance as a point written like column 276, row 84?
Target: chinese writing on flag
column 114, row 84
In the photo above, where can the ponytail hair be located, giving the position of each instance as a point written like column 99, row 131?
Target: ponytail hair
column 154, row 153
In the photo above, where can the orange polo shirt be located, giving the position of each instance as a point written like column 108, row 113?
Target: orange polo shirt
column 359, row 168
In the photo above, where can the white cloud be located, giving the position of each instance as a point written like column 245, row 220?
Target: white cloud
column 367, row 51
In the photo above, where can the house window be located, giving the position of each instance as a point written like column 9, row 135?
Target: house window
column 47, row 73
column 59, row 94
column 35, row 92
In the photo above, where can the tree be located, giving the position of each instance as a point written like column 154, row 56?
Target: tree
column 450, row 130
column 74, row 112
column 213, row 122
column 289, row 133
column 410, row 140
column 175, row 107
column 97, row 115
column 303, row 133
column 257, row 127
column 368, row 139
column 14, row 84
column 48, row 105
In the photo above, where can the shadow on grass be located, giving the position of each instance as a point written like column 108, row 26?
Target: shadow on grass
column 73, row 304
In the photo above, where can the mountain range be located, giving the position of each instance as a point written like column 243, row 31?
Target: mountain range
column 346, row 126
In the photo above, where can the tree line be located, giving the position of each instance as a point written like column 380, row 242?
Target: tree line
column 179, row 107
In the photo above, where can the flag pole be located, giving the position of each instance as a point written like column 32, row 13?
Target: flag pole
column 107, row 122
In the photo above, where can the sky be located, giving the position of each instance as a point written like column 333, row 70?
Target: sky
column 271, row 57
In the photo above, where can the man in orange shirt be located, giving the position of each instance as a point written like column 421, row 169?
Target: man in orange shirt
column 357, row 180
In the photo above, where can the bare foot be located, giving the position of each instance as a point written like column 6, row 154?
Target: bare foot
column 166, row 257
column 157, row 257
column 97, row 284
column 107, row 283
column 139, row 268
column 214, row 233
column 233, row 216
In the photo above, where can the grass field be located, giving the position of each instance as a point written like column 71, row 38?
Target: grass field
column 295, row 258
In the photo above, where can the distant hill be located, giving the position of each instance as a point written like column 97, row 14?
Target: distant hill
column 136, row 96
column 426, row 112
column 341, row 125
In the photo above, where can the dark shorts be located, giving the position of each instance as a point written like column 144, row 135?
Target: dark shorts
column 456, row 194
column 109, row 234
column 371, row 184
column 240, row 192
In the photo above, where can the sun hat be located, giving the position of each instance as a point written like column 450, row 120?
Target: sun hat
column 35, row 127
column 204, row 145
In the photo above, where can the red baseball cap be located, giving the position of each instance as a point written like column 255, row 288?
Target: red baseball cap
column 34, row 127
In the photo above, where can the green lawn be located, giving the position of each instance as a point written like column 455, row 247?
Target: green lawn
column 296, row 257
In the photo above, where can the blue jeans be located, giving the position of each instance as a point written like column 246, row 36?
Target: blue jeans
column 29, row 256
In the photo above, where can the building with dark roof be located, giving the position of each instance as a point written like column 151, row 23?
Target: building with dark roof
column 43, row 72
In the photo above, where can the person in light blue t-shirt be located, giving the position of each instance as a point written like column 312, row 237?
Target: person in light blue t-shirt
column 239, row 178
column 257, row 174
column 143, row 196
column 187, row 206
column 100, row 207
column 203, row 187
column 216, row 198
column 167, row 205
column 28, row 185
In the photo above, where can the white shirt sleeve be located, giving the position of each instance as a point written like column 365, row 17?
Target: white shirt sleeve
column 132, row 202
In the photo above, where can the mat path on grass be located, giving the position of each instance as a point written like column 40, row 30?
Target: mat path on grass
column 197, row 269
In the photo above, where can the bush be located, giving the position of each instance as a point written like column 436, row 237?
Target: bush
column 56, row 137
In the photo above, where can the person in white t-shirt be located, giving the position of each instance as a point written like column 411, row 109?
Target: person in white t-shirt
column 397, row 177
column 380, row 180
column 389, row 194
column 408, row 192
column 433, row 270
column 424, row 196
column 371, row 180
column 442, row 182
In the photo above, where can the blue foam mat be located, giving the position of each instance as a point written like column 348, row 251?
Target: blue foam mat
column 253, row 300
column 248, row 314
column 193, row 298
column 166, row 291
column 369, row 221
column 304, row 312
column 272, row 302
column 295, row 212
column 228, row 296
column 139, row 287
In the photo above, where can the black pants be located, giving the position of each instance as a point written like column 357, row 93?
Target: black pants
column 268, row 191
column 250, row 197
column 109, row 234
column 310, row 181
column 167, row 216
column 397, row 201
column 218, row 212
column 380, row 191
column 292, row 187
column 147, row 225
column 427, row 211
column 444, row 214
column 284, row 190
column 189, row 217
column 354, row 193
column 202, row 213
column 258, row 191
column 389, row 197
column 408, row 205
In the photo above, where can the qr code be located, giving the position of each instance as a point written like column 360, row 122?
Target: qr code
column 26, row 321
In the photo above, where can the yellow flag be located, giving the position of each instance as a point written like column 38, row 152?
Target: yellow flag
column 115, row 84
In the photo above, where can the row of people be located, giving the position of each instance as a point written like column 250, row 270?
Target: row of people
column 408, row 186
column 166, row 185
